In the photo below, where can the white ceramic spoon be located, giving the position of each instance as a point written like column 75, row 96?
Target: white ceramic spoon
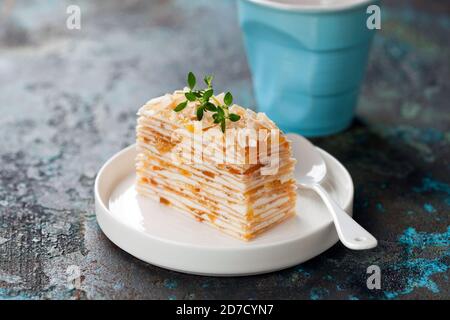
column 310, row 170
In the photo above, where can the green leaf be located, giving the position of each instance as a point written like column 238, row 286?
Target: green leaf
column 199, row 113
column 208, row 94
column 228, row 99
column 208, row 81
column 190, row 96
column 234, row 117
column 210, row 107
column 220, row 111
column 191, row 80
column 180, row 106
column 217, row 118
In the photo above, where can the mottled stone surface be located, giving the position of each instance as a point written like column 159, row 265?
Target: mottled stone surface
column 68, row 100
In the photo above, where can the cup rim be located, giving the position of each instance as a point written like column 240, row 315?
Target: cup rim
column 311, row 7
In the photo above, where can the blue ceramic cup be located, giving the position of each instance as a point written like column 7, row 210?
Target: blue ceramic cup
column 307, row 60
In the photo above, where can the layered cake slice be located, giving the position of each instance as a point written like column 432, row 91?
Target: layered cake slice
column 224, row 165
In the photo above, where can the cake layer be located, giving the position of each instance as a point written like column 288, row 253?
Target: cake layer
column 168, row 138
column 220, row 203
column 214, row 190
column 222, row 222
column 209, row 174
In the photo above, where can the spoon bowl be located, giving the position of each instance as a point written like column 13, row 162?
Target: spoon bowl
column 310, row 168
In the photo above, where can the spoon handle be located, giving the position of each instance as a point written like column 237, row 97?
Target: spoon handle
column 351, row 234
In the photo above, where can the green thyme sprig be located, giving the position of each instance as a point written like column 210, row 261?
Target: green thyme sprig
column 220, row 113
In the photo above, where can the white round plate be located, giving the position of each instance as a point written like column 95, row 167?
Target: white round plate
column 170, row 239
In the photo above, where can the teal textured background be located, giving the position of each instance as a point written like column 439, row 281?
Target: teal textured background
column 69, row 100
